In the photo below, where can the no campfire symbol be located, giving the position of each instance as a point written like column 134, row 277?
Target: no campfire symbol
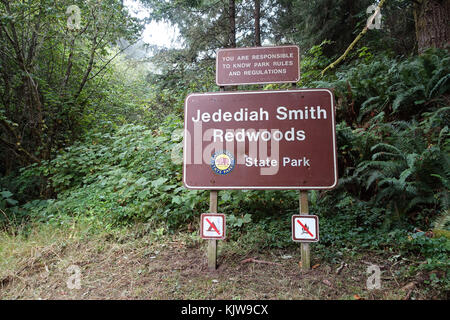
column 212, row 226
column 305, row 228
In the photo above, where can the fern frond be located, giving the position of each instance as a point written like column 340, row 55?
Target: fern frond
column 411, row 159
column 441, row 87
column 443, row 222
column 386, row 166
column 387, row 147
column 420, row 200
column 386, row 155
column 404, row 175
column 373, row 177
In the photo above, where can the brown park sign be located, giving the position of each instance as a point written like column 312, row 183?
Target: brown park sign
column 239, row 66
column 260, row 140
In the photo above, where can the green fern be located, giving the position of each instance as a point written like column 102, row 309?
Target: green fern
column 405, row 172
column 443, row 222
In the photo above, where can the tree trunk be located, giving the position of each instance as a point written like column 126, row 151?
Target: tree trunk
column 232, row 20
column 257, row 23
column 432, row 19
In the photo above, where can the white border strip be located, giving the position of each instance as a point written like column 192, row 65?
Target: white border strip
column 263, row 187
column 266, row 82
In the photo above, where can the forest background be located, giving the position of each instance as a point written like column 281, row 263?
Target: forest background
column 91, row 121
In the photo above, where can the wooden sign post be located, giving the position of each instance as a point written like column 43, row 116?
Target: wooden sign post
column 212, row 243
column 303, row 209
column 303, row 204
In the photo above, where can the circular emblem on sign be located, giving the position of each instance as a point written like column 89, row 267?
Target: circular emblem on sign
column 222, row 162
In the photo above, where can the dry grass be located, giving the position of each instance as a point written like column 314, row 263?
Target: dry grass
column 134, row 264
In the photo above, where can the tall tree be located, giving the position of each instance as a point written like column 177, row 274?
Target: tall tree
column 257, row 15
column 432, row 19
column 232, row 23
column 308, row 23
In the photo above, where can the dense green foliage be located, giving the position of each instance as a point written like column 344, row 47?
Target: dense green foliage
column 308, row 23
column 110, row 153
column 54, row 79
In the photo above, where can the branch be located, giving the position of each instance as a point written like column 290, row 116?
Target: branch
column 69, row 66
column 360, row 35
column 17, row 148
column 260, row 261
column 109, row 61
column 89, row 68
column 96, row 43
column 33, row 48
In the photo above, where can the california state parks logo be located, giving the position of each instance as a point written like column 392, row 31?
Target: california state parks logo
column 222, row 162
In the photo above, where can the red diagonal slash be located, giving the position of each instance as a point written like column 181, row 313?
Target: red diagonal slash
column 213, row 226
column 305, row 228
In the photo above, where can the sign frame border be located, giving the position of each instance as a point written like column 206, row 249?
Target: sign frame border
column 333, row 121
column 251, row 83
column 223, row 237
column 315, row 217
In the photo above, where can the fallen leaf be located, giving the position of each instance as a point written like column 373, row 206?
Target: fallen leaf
column 315, row 266
column 328, row 283
column 409, row 286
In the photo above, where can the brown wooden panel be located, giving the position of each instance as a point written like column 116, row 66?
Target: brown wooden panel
column 238, row 66
column 260, row 140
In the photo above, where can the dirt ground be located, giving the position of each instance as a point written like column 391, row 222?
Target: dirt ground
column 175, row 267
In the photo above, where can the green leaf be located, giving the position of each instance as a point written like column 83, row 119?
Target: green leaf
column 12, row 202
column 142, row 182
column 158, row 182
column 6, row 194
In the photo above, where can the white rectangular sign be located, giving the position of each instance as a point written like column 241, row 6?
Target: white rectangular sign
column 305, row 228
column 212, row 226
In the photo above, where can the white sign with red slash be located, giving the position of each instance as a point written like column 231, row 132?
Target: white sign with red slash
column 212, row 226
column 305, row 228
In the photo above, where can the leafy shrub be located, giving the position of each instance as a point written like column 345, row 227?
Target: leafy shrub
column 402, row 89
column 118, row 178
